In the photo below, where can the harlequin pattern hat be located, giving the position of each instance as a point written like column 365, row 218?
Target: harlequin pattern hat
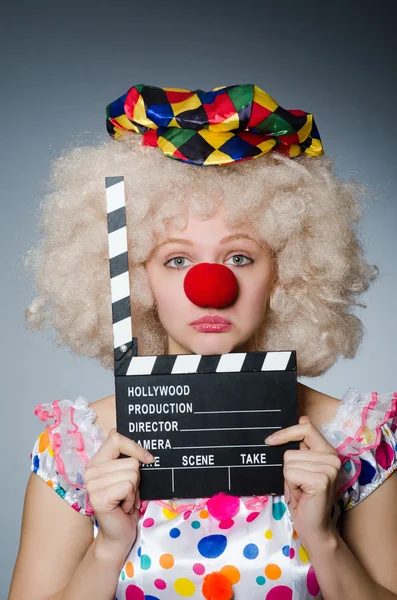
column 227, row 124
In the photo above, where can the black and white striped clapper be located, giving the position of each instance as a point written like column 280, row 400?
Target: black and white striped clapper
column 204, row 418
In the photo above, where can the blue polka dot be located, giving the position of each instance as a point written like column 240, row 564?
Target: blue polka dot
column 149, row 597
column 251, row 551
column 196, row 524
column 145, row 562
column 286, row 551
column 122, row 575
column 260, row 580
column 279, row 509
column 367, row 472
column 212, row 546
column 175, row 532
column 139, row 551
column 36, row 463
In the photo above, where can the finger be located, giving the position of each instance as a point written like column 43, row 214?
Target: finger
column 98, row 471
column 303, row 432
column 310, row 483
column 117, row 444
column 105, row 501
column 101, row 483
column 326, row 458
column 311, row 467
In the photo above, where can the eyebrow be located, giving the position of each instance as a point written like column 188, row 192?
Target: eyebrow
column 228, row 238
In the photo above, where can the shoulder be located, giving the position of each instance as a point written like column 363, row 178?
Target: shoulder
column 319, row 407
column 105, row 411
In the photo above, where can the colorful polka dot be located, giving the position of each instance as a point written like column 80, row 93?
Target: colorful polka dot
column 291, row 553
column 175, row 532
column 268, row 534
column 169, row 514
column 129, row 569
column 311, row 581
column 184, row 587
column 150, row 597
column 36, row 463
column 145, row 562
column 252, row 516
column 226, row 524
column 217, row 587
column 280, row 592
column 212, row 546
column 295, row 535
column 223, row 507
column 203, row 514
column 148, row 523
column 279, row 509
column 260, row 580
column 196, row 524
column 384, row 455
column 251, row 551
column 232, row 573
column 166, row 561
column 133, row 592
column 286, row 550
column 303, row 555
column 160, row 584
column 273, row 572
column 139, row 552
column 199, row 569
column 122, row 575
column 187, row 514
column 367, row 472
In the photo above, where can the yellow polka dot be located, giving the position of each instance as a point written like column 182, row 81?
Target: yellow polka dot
column 268, row 534
column 184, row 587
column 273, row 571
column 303, row 555
column 231, row 573
column 169, row 514
column 129, row 569
column 166, row 561
column 203, row 514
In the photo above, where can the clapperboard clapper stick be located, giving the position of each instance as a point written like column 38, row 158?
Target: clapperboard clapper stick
column 204, row 418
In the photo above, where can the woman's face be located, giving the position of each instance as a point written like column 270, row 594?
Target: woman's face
column 210, row 241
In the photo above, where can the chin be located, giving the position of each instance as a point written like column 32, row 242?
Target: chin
column 218, row 344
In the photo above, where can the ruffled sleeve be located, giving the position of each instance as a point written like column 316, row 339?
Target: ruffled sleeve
column 62, row 451
column 363, row 432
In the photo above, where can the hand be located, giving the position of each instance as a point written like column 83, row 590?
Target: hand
column 112, row 485
column 310, row 475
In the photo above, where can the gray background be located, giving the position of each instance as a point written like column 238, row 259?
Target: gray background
column 61, row 63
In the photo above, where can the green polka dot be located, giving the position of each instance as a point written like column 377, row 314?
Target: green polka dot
column 279, row 509
column 145, row 562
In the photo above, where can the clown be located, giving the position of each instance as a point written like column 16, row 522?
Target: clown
column 244, row 241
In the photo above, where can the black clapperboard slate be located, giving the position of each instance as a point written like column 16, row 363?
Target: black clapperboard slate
column 207, row 428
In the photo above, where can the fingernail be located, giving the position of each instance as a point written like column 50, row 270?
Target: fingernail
column 271, row 438
column 286, row 495
column 149, row 456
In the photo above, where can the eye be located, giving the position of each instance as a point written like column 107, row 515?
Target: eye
column 178, row 262
column 239, row 260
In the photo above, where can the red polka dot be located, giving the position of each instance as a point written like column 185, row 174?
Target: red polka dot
column 148, row 522
column 291, row 553
column 384, row 455
column 198, row 568
column 311, row 582
column 160, row 584
column 280, row 592
column 226, row 524
column 187, row 514
column 252, row 516
column 133, row 592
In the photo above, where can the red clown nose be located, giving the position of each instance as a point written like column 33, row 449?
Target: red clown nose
column 210, row 284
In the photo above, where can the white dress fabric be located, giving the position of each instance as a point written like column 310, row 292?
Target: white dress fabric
column 223, row 547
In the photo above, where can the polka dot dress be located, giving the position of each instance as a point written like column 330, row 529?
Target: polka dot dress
column 226, row 547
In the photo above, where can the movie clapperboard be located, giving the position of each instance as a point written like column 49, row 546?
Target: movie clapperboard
column 204, row 418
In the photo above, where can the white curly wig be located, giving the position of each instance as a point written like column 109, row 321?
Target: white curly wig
column 299, row 207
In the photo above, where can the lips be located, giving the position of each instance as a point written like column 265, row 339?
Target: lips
column 211, row 320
